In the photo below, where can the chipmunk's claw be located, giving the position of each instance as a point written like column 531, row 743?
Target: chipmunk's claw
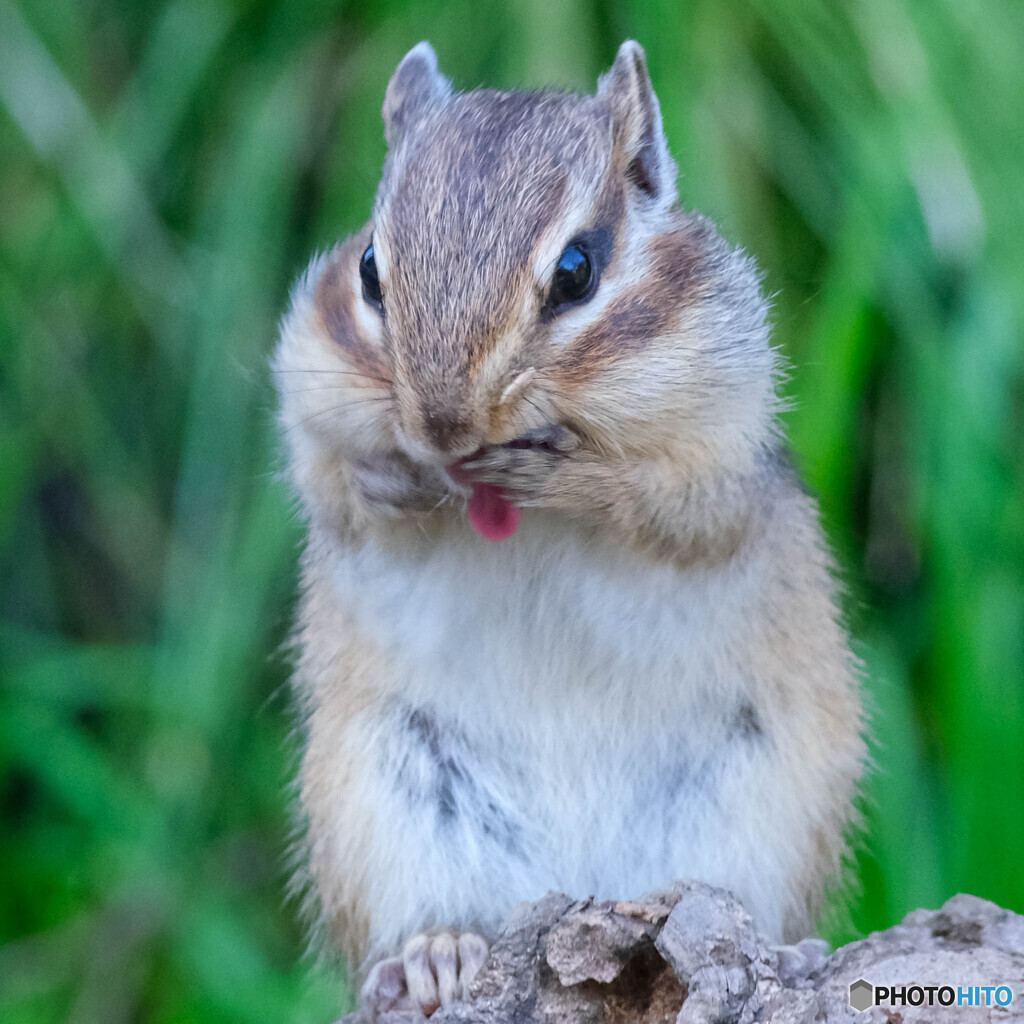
column 393, row 484
column 523, row 467
column 433, row 970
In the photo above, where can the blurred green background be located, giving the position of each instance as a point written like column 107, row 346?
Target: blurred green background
column 168, row 168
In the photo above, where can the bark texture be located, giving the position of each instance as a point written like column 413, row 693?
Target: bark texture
column 691, row 954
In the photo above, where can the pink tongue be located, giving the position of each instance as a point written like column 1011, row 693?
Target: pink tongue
column 491, row 514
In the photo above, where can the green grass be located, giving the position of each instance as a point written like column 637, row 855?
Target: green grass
column 166, row 171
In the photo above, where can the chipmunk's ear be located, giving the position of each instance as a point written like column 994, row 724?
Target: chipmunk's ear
column 636, row 119
column 415, row 86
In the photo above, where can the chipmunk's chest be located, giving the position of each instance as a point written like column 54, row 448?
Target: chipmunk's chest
column 553, row 618
column 564, row 716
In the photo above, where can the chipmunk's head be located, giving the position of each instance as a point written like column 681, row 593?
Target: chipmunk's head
column 498, row 226
column 527, row 267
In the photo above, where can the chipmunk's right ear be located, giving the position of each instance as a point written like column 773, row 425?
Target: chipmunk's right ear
column 415, row 87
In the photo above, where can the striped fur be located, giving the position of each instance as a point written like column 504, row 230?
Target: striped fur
column 649, row 680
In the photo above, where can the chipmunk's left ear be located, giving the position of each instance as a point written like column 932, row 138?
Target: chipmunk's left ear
column 636, row 118
column 416, row 86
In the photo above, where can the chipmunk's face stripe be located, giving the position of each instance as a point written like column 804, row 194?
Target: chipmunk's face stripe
column 611, row 215
column 629, row 323
column 642, row 312
column 334, row 298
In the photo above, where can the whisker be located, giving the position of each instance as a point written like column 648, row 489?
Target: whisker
column 333, row 409
column 550, row 398
column 536, row 408
column 345, row 373
column 320, row 387
column 445, row 498
column 523, row 418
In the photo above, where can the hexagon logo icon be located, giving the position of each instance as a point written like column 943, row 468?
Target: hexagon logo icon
column 862, row 995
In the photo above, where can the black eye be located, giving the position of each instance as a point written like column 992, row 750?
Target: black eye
column 574, row 277
column 371, row 282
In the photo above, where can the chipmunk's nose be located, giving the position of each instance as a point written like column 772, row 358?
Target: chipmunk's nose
column 446, row 430
column 438, row 435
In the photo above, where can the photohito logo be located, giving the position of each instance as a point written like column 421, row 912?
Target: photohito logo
column 864, row 995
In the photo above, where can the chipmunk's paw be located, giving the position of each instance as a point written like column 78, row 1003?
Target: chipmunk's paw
column 432, row 970
column 393, row 485
column 525, row 467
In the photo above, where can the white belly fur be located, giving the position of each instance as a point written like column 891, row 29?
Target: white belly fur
column 567, row 721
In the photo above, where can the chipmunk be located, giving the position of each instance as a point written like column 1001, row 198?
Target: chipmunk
column 568, row 621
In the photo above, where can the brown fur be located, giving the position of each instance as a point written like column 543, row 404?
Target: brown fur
column 645, row 422
column 334, row 298
column 642, row 313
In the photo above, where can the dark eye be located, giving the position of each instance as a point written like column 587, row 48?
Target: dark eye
column 371, row 282
column 574, row 277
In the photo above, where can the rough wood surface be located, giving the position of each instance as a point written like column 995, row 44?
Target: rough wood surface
column 691, row 954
